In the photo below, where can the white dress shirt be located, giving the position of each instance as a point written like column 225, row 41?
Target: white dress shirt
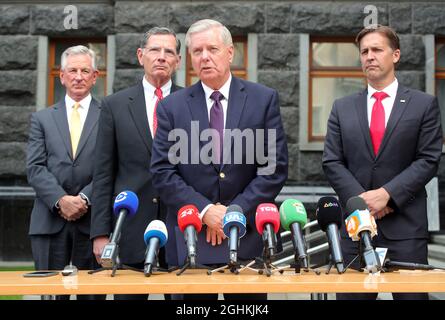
column 84, row 106
column 388, row 102
column 151, row 98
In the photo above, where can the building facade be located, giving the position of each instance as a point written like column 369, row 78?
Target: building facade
column 304, row 49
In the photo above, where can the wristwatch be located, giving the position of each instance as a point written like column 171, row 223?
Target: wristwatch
column 84, row 197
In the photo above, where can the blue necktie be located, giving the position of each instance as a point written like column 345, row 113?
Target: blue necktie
column 217, row 122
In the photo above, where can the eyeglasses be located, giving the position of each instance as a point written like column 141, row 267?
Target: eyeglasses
column 155, row 51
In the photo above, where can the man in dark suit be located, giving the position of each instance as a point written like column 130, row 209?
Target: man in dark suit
column 384, row 144
column 217, row 101
column 61, row 143
column 122, row 159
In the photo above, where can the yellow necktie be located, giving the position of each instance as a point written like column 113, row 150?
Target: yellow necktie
column 75, row 127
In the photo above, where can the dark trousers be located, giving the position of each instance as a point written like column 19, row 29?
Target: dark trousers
column 55, row 251
column 409, row 250
column 140, row 265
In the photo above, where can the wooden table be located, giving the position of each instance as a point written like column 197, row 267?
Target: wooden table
column 197, row 281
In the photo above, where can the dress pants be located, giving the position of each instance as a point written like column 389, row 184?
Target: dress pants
column 55, row 251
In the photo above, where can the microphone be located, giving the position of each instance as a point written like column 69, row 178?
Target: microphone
column 125, row 204
column 361, row 226
column 329, row 215
column 190, row 224
column 267, row 220
column 234, row 227
column 155, row 237
column 294, row 218
column 409, row 265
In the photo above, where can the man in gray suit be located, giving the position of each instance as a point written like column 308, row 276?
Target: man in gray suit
column 60, row 168
column 384, row 144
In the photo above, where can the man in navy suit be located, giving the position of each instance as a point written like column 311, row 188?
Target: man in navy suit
column 218, row 101
column 384, row 144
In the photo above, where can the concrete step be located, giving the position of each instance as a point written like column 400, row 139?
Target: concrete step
column 436, row 251
column 438, row 239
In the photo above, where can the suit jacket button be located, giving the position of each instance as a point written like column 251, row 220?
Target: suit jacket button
column 155, row 200
column 222, row 175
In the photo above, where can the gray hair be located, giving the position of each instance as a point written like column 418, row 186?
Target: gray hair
column 77, row 50
column 160, row 30
column 206, row 24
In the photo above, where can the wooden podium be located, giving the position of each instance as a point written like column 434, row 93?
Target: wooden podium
column 197, row 281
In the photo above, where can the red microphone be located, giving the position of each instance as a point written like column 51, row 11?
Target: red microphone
column 190, row 224
column 267, row 220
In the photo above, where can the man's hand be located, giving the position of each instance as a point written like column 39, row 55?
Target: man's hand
column 213, row 219
column 72, row 207
column 377, row 201
column 98, row 246
column 380, row 214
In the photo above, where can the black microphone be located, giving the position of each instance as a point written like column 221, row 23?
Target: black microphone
column 409, row 265
column 360, row 224
column 329, row 215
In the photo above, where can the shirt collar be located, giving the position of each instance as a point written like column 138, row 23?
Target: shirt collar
column 84, row 103
column 224, row 90
column 390, row 90
column 150, row 89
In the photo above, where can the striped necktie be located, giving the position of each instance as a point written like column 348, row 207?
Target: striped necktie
column 75, row 128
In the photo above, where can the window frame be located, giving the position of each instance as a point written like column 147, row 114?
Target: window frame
column 326, row 72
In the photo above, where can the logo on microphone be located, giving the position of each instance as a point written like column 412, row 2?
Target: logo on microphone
column 352, row 224
column 299, row 208
column 268, row 208
column 330, row 204
column 121, row 196
column 187, row 212
column 233, row 217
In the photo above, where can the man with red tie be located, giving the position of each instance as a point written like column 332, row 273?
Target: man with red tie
column 123, row 150
column 384, row 145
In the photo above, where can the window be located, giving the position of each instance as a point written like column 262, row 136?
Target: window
column 440, row 76
column 239, row 64
column 334, row 72
column 56, row 47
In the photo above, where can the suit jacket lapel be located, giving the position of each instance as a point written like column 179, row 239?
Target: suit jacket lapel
column 138, row 112
column 61, row 120
column 90, row 122
column 362, row 113
column 235, row 107
column 396, row 114
column 197, row 104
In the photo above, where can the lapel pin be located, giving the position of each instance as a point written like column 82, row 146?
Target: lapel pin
column 403, row 101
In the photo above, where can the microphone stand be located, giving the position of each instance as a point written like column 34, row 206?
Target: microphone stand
column 190, row 263
column 116, row 265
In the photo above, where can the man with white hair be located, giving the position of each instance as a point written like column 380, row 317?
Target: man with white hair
column 219, row 103
column 61, row 144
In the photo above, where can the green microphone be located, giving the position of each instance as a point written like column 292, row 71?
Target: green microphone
column 293, row 218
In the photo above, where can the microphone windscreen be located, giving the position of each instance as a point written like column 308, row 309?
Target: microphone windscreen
column 156, row 229
column 267, row 213
column 292, row 211
column 234, row 217
column 189, row 215
column 355, row 203
column 126, row 200
column 328, row 212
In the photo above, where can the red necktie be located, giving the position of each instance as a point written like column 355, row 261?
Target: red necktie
column 158, row 93
column 377, row 128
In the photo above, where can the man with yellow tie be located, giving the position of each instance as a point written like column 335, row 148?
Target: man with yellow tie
column 60, row 168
